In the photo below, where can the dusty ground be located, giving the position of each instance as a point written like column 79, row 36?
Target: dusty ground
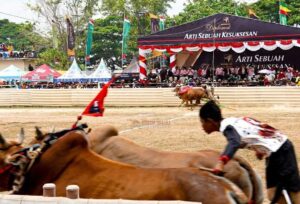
column 176, row 129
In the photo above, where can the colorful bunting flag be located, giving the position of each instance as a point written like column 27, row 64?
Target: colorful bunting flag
column 89, row 41
column 283, row 12
column 283, row 8
column 126, row 32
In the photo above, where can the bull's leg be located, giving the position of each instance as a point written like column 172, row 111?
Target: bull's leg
column 191, row 104
column 182, row 102
column 187, row 103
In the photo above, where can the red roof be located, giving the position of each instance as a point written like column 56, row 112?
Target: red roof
column 42, row 73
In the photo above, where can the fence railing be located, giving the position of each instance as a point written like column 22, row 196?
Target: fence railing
column 143, row 97
column 73, row 196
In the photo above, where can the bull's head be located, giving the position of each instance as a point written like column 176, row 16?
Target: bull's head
column 176, row 89
column 40, row 135
column 7, row 148
column 4, row 145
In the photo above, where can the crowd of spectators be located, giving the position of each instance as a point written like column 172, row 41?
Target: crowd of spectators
column 229, row 76
column 7, row 51
column 165, row 77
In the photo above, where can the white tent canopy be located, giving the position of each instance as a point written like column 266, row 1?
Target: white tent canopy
column 11, row 73
column 73, row 74
column 131, row 71
column 101, row 74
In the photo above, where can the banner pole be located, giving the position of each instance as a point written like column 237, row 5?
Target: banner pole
column 213, row 56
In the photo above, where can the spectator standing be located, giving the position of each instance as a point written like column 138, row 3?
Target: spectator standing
column 219, row 73
column 199, row 72
column 176, row 72
column 30, row 67
column 163, row 74
column 190, row 73
column 170, row 75
column 251, row 74
column 183, row 74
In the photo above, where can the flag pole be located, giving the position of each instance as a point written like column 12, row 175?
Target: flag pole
column 86, row 47
column 279, row 15
column 123, row 41
column 85, row 55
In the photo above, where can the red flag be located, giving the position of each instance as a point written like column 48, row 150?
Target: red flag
column 96, row 106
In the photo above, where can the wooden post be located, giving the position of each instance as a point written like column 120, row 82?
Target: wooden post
column 49, row 190
column 72, row 191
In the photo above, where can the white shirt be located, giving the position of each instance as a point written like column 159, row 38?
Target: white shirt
column 256, row 135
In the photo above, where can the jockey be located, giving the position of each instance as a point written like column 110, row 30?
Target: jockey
column 282, row 172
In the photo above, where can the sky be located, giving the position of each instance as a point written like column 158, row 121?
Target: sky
column 19, row 8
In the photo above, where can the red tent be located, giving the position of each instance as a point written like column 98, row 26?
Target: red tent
column 42, row 73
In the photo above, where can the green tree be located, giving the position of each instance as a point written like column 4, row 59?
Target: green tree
column 268, row 10
column 21, row 36
column 107, row 39
column 55, row 58
column 118, row 7
column 198, row 9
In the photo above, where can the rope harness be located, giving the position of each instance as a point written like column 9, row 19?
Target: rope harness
column 19, row 163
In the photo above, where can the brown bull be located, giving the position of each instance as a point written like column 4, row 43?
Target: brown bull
column 104, row 141
column 70, row 161
column 189, row 94
column 122, row 149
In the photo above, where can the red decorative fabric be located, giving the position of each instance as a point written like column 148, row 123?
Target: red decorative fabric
column 183, row 90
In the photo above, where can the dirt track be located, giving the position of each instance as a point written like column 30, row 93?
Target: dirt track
column 176, row 129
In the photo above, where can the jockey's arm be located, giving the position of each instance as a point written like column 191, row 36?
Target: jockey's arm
column 234, row 143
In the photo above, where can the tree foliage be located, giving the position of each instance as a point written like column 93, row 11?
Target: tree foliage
column 108, row 30
column 56, row 11
column 54, row 58
column 21, row 36
column 268, row 10
column 198, row 9
column 132, row 7
column 138, row 13
column 107, row 40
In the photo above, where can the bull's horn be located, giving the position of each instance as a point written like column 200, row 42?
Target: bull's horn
column 39, row 134
column 53, row 129
column 2, row 140
column 21, row 136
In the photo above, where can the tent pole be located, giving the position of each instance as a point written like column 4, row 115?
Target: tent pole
column 213, row 54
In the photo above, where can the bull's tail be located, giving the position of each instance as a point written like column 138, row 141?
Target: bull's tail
column 258, row 195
